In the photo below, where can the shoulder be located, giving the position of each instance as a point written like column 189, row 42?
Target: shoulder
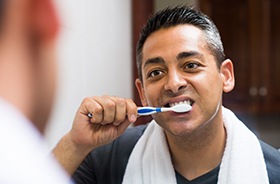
column 272, row 160
column 20, row 135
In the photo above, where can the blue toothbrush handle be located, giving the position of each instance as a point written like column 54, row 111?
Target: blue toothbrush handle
column 142, row 111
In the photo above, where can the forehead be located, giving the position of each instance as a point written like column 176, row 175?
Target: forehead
column 167, row 43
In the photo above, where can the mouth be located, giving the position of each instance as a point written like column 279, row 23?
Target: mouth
column 188, row 102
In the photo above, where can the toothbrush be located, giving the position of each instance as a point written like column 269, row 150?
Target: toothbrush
column 143, row 111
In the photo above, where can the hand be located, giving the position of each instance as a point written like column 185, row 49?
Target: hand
column 110, row 118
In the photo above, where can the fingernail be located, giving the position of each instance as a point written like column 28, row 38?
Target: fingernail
column 132, row 118
column 116, row 124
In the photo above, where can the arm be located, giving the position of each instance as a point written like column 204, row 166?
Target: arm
column 110, row 118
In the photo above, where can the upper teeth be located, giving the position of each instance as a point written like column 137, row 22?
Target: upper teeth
column 183, row 102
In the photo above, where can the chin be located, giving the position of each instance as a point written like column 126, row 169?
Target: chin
column 179, row 128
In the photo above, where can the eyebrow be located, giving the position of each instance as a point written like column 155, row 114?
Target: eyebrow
column 180, row 56
column 183, row 55
column 156, row 60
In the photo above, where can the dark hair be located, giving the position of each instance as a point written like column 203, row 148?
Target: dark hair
column 179, row 15
column 2, row 4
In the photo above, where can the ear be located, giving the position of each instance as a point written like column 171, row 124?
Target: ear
column 141, row 92
column 44, row 22
column 227, row 73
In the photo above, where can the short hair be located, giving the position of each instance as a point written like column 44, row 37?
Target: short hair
column 179, row 15
column 2, row 4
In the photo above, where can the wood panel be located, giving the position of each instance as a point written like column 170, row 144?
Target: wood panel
column 141, row 10
column 250, row 32
column 273, row 99
column 232, row 18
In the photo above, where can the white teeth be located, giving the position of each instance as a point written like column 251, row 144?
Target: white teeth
column 183, row 102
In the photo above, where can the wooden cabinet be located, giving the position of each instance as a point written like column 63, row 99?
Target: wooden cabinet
column 141, row 10
column 250, row 31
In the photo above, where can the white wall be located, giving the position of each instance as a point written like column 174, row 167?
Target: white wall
column 94, row 57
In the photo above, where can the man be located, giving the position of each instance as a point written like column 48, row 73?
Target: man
column 180, row 59
column 28, row 31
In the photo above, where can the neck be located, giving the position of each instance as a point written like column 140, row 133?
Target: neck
column 17, row 82
column 200, row 152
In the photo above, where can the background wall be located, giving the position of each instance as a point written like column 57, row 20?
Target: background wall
column 94, row 57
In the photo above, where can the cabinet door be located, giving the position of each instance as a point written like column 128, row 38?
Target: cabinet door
column 231, row 18
column 141, row 10
column 272, row 98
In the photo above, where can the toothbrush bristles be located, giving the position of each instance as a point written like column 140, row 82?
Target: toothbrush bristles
column 181, row 108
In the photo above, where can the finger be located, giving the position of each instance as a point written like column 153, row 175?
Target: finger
column 109, row 109
column 120, row 113
column 131, row 110
column 93, row 108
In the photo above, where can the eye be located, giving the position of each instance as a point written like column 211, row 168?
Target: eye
column 191, row 66
column 155, row 73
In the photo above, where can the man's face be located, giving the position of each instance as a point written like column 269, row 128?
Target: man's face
column 177, row 66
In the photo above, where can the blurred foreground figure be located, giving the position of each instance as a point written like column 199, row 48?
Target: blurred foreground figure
column 28, row 30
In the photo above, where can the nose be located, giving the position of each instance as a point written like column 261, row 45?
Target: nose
column 175, row 81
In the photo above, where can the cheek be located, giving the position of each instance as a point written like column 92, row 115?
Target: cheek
column 149, row 98
column 208, row 86
column 152, row 93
